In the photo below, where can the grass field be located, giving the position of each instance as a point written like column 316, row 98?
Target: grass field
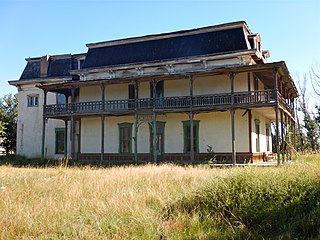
column 162, row 202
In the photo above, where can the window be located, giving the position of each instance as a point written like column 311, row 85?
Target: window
column 268, row 136
column 33, row 100
column 257, row 128
column 60, row 98
column 125, row 137
column 60, row 141
column 159, row 90
column 187, row 136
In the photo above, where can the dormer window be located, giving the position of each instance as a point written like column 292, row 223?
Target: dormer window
column 80, row 63
column 32, row 100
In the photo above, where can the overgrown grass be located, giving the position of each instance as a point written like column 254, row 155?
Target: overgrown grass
column 169, row 202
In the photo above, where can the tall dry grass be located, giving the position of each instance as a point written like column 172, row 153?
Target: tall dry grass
column 150, row 202
column 120, row 202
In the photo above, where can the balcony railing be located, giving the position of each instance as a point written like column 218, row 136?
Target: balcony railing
column 254, row 98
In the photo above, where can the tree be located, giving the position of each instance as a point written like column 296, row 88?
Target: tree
column 309, row 130
column 8, row 121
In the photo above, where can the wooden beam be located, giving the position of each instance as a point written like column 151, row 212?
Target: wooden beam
column 103, row 87
column 232, row 111
column 275, row 81
column 136, row 111
column 72, row 124
column 43, row 125
column 191, row 120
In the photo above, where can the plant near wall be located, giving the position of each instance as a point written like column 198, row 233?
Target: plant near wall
column 8, row 122
column 212, row 156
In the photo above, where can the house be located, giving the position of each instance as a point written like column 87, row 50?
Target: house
column 155, row 98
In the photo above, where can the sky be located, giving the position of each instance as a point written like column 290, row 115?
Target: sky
column 289, row 29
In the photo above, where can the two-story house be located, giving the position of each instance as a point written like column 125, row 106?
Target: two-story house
column 156, row 98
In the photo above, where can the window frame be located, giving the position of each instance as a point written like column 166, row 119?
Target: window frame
column 258, row 132
column 33, row 100
column 56, row 145
column 123, row 126
column 186, row 125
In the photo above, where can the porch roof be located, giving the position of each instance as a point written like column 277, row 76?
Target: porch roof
column 264, row 72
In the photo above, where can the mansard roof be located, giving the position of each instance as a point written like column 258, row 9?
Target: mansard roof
column 219, row 39
column 58, row 66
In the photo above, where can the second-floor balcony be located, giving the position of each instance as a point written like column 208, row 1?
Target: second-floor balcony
column 171, row 104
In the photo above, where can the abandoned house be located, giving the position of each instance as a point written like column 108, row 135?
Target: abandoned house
column 157, row 98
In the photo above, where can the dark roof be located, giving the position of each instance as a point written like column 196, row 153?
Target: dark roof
column 58, row 67
column 32, row 70
column 193, row 44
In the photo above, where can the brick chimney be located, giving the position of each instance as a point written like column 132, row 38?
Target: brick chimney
column 44, row 64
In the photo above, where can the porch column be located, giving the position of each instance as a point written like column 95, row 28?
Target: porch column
column 103, row 87
column 65, row 138
column 154, row 122
column 72, row 123
column 275, row 85
column 282, row 136
column 43, row 124
column 191, row 120
column 66, row 132
column 136, row 92
column 232, row 111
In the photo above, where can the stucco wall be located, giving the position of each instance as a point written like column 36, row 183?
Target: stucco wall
column 29, row 126
column 214, row 130
column 201, row 85
column 263, row 140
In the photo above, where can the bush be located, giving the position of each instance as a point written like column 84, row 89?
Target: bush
column 251, row 206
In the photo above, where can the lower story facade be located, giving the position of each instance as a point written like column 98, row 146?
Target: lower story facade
column 117, row 142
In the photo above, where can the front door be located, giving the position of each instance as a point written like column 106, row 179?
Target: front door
column 159, row 140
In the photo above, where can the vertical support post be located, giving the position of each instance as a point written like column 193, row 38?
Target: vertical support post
column 72, row 123
column 65, row 138
column 250, row 130
column 154, row 123
column 275, row 85
column 103, row 87
column 43, row 124
column 282, row 136
column 191, row 120
column 232, row 111
column 233, row 147
column 191, row 138
column 154, row 126
column 136, row 95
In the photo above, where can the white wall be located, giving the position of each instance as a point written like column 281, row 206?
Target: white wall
column 29, row 125
column 214, row 130
column 263, row 140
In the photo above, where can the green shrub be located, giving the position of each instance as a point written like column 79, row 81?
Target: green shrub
column 256, row 205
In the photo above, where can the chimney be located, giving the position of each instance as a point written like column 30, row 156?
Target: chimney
column 44, row 64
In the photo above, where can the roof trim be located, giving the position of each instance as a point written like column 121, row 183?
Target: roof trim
column 59, row 56
column 170, row 34
column 218, row 56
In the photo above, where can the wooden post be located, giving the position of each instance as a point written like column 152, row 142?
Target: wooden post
column 43, row 124
column 72, row 123
column 103, row 87
column 282, row 136
column 154, row 123
column 191, row 120
column 65, row 138
column 275, row 85
column 136, row 92
column 232, row 111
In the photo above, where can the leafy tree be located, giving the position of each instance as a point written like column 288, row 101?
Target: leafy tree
column 8, row 120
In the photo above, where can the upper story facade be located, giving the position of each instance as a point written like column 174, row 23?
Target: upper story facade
column 209, row 68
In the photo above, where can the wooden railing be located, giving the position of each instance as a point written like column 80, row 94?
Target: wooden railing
column 265, row 97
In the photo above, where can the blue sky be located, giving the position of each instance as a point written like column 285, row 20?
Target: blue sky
column 290, row 29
